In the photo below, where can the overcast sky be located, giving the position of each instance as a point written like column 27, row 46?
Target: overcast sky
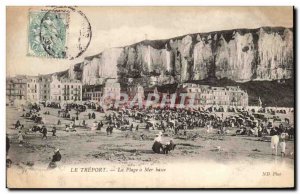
column 117, row 26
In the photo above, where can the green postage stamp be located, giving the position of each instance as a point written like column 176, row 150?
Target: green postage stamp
column 47, row 33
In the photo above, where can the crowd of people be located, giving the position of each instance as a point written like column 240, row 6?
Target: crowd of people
column 180, row 120
column 173, row 121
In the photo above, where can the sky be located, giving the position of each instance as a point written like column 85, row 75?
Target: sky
column 121, row 26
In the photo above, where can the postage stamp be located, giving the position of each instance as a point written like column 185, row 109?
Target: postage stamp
column 47, row 33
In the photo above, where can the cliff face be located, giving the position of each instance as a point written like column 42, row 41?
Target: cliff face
column 241, row 55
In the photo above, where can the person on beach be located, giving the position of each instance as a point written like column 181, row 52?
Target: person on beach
column 44, row 132
column 55, row 158
column 54, row 131
column 157, row 145
column 20, row 138
column 67, row 128
column 282, row 143
column 131, row 127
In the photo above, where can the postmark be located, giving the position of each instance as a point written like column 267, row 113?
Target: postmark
column 58, row 32
column 48, row 34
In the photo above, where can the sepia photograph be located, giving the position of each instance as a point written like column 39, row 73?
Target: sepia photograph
column 150, row 97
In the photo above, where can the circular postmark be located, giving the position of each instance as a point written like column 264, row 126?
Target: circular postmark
column 65, row 32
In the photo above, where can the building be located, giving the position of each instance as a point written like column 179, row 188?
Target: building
column 72, row 90
column 135, row 90
column 44, row 84
column 93, row 92
column 42, row 88
column 109, row 88
column 16, row 88
column 207, row 95
column 237, row 97
column 112, row 89
column 33, row 88
column 56, row 90
column 65, row 90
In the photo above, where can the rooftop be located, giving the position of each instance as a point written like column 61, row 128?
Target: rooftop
column 207, row 87
column 69, row 81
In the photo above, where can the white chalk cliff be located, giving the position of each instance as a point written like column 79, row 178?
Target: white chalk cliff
column 241, row 55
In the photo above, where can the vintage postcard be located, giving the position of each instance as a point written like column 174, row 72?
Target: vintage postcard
column 150, row 97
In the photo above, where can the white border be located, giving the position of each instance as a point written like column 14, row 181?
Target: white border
column 5, row 3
